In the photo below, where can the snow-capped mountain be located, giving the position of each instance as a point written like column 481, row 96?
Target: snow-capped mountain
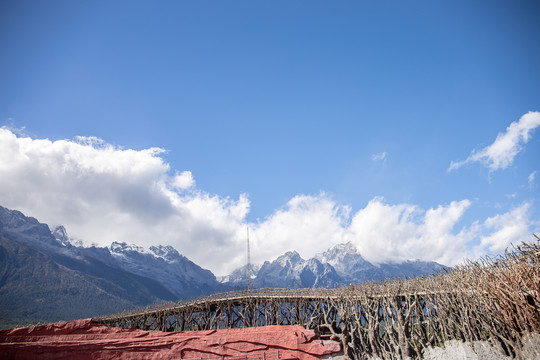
column 121, row 276
column 353, row 268
column 61, row 235
column 239, row 275
column 340, row 265
column 46, row 279
column 165, row 264
column 348, row 262
column 161, row 265
column 289, row 270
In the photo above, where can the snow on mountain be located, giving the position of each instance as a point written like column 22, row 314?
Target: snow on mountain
column 318, row 274
column 340, row 265
column 165, row 264
column 61, row 235
column 123, row 249
column 352, row 267
column 168, row 253
column 45, row 278
column 239, row 275
column 346, row 259
column 290, row 270
column 159, row 263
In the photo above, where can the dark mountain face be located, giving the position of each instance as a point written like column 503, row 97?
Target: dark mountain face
column 36, row 288
column 26, row 230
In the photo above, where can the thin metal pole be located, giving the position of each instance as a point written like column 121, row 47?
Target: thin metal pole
column 248, row 267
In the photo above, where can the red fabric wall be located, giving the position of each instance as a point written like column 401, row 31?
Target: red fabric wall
column 84, row 339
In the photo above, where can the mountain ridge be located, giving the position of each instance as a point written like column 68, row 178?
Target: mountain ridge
column 340, row 265
column 126, row 275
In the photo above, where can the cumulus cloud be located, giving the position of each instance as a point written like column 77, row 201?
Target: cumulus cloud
column 307, row 224
column 386, row 233
column 394, row 233
column 103, row 193
column 511, row 227
column 507, row 145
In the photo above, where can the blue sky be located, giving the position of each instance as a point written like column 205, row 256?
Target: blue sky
column 267, row 102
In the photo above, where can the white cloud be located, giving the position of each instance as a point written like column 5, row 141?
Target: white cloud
column 308, row 224
column 531, row 178
column 103, row 193
column 511, row 227
column 502, row 152
column 384, row 232
column 394, row 233
column 183, row 180
column 379, row 157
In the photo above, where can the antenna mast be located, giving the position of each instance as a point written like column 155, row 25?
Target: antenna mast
column 248, row 267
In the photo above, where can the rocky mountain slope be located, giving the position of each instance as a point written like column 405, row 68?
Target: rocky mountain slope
column 35, row 288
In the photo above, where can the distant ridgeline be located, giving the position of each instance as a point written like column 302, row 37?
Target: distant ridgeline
column 494, row 299
column 46, row 276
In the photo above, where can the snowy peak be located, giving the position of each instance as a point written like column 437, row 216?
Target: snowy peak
column 166, row 265
column 15, row 220
column 239, row 275
column 161, row 265
column 340, row 253
column 340, row 265
column 290, row 270
column 340, row 250
column 345, row 258
column 166, row 252
column 155, row 253
column 290, row 258
column 123, row 249
column 61, row 235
